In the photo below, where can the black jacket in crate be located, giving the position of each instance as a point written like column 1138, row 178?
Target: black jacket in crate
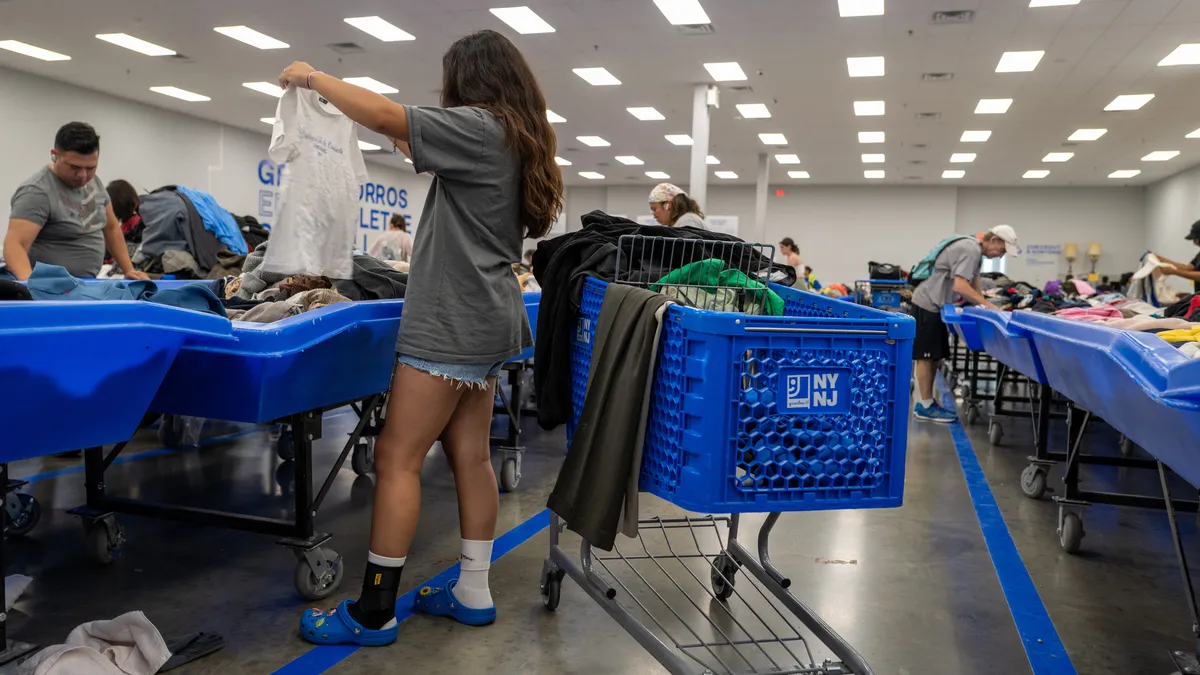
column 757, row 413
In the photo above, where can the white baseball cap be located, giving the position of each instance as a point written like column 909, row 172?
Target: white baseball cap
column 1009, row 237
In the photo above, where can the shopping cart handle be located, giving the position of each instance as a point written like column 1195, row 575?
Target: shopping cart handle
column 826, row 331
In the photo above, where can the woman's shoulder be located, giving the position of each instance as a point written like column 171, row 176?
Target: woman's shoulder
column 690, row 220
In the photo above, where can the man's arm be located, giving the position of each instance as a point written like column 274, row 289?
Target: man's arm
column 17, row 242
column 1183, row 271
column 969, row 291
column 115, row 240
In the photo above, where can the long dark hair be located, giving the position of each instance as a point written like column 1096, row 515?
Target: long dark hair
column 398, row 223
column 124, row 199
column 682, row 204
column 487, row 71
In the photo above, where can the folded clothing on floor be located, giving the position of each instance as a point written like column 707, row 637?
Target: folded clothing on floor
column 51, row 282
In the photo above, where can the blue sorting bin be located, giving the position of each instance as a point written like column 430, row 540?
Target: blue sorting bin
column 532, row 302
column 749, row 413
column 82, row 374
column 992, row 331
column 1139, row 384
column 320, row 358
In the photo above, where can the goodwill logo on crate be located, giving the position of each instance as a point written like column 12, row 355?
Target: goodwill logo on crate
column 376, row 203
column 815, row 392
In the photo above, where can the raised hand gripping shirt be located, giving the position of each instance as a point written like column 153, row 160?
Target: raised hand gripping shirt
column 317, row 213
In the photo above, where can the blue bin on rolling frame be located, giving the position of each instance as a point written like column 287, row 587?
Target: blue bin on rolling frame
column 806, row 411
column 994, row 332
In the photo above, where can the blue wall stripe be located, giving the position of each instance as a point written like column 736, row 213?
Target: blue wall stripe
column 322, row 658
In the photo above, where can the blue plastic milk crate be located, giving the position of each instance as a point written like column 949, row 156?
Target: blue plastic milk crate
column 806, row 411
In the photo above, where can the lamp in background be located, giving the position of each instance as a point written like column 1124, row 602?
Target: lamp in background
column 1071, row 253
column 1094, row 256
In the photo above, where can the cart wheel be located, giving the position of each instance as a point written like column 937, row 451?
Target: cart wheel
column 551, row 592
column 362, row 461
column 1070, row 533
column 1126, row 446
column 722, row 576
column 170, row 433
column 1033, row 481
column 105, row 537
column 284, row 448
column 26, row 516
column 509, row 476
column 314, row 586
column 972, row 414
column 995, row 433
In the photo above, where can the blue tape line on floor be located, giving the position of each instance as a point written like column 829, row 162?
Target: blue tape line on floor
column 320, row 659
column 1043, row 648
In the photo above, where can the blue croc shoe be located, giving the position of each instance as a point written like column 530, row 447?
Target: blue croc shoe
column 441, row 602
column 337, row 627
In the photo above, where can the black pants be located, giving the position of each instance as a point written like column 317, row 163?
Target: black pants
column 932, row 341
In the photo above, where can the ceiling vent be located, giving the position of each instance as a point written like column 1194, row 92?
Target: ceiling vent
column 929, row 115
column 1070, row 144
column 182, row 58
column 912, row 178
column 919, row 146
column 347, row 48
column 953, row 16
column 743, row 88
column 602, row 164
column 916, row 162
column 937, row 77
column 697, row 29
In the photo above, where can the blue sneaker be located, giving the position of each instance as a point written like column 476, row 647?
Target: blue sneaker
column 441, row 602
column 337, row 627
column 934, row 413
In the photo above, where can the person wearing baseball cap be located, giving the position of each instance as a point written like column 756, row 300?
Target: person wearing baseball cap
column 1186, row 270
column 953, row 272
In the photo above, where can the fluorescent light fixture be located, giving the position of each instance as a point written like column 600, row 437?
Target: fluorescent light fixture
column 953, row 173
column 597, row 77
column 593, row 141
column 848, row 8
column 1194, row 134
column 369, row 147
column 875, row 174
column 726, row 175
column 658, row 175
column 679, row 139
column 29, row 50
column 181, row 94
column 976, row 136
column 865, row 66
column 554, row 117
column 522, row 19
column 993, row 106
column 1058, row 157
column 753, row 111
column 646, row 114
column 1036, row 173
column 1129, row 102
column 264, row 88
column 1052, row 3
column 591, row 175
column 773, row 139
column 682, row 12
column 629, row 160
column 267, row 120
column 787, row 159
column 251, row 37
column 136, row 44
column 562, row 162
column 728, row 71
column 869, row 108
column 871, row 136
column 1087, row 134
column 1124, row 173
column 874, row 158
column 1019, row 62
column 1161, row 156
column 380, row 29
column 798, row 174
column 711, row 160
column 1184, row 55
column 372, row 84
column 962, row 158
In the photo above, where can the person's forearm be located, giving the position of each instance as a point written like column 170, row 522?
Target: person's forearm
column 968, row 292
column 369, row 109
column 115, row 241
column 16, row 258
column 1193, row 275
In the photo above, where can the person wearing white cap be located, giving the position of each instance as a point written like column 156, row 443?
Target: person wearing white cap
column 953, row 271
column 673, row 207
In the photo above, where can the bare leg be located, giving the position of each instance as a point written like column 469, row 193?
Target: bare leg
column 925, row 372
column 466, row 443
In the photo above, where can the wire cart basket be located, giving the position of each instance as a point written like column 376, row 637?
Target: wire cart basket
column 764, row 400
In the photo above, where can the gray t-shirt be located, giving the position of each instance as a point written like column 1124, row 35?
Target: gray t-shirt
column 463, row 303
column 960, row 259
column 72, row 221
column 690, row 220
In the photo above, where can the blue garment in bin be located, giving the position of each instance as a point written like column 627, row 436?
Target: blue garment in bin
column 51, row 282
column 216, row 220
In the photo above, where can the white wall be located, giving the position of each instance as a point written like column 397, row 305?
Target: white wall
column 1172, row 205
column 151, row 147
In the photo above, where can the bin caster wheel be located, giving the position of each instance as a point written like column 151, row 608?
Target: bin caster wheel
column 722, row 575
column 321, row 581
column 972, row 415
column 24, row 512
column 170, row 431
column 362, row 461
column 1033, row 481
column 510, row 475
column 284, row 448
column 1126, row 446
column 551, row 586
column 106, row 538
column 995, row 433
column 1070, row 532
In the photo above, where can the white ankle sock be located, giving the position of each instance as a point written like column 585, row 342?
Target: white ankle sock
column 927, row 403
column 472, row 589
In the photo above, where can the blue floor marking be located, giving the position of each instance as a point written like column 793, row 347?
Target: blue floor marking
column 1043, row 648
column 322, row 658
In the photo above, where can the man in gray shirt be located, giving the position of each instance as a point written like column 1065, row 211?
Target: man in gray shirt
column 61, row 214
column 955, row 273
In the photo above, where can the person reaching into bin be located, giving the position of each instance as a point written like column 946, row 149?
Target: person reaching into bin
column 491, row 153
column 954, row 267
column 1189, row 270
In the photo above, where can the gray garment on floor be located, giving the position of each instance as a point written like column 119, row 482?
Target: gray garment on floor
column 599, row 469
column 126, row 645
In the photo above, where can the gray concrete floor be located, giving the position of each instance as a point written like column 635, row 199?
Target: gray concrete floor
column 913, row 589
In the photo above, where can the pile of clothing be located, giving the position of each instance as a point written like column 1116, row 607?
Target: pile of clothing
column 186, row 233
column 835, row 291
column 52, row 282
column 712, row 285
